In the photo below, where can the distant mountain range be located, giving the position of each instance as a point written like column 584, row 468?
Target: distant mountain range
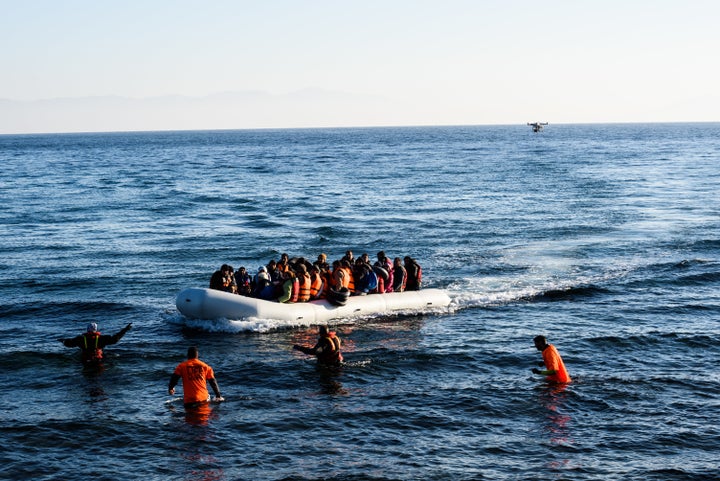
column 227, row 110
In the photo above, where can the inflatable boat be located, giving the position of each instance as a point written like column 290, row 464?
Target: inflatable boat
column 200, row 303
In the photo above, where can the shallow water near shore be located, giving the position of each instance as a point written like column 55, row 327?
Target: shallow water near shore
column 605, row 238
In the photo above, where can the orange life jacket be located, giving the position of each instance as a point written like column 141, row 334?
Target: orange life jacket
column 380, row 286
column 333, row 355
column 304, row 288
column 345, row 278
column 91, row 351
column 295, row 290
column 329, row 278
column 317, row 287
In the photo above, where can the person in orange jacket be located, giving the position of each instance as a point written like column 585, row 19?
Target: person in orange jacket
column 555, row 371
column 195, row 375
column 327, row 348
column 317, row 284
column 304, row 283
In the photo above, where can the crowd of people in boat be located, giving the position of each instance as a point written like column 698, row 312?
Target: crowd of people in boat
column 299, row 280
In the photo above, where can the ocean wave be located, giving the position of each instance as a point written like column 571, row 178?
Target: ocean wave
column 699, row 279
column 54, row 309
column 656, row 338
column 567, row 294
column 651, row 270
column 524, row 293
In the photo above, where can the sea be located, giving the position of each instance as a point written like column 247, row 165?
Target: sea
column 605, row 238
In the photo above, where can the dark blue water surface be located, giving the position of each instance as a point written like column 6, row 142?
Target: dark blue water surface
column 606, row 238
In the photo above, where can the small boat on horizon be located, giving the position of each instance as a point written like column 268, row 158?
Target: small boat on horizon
column 537, row 126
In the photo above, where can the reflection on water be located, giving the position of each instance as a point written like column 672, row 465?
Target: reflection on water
column 199, row 415
column 329, row 381
column 556, row 423
column 92, row 375
column 97, row 393
column 200, row 462
column 195, row 416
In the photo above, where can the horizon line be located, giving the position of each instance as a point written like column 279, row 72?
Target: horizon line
column 355, row 127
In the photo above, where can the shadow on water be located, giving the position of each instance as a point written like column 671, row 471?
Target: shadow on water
column 329, row 381
column 93, row 378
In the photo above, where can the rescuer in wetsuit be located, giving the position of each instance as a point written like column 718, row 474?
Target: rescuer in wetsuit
column 91, row 343
column 327, row 348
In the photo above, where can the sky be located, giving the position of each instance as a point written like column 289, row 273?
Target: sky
column 80, row 65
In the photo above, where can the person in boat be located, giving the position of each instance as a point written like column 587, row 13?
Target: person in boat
column 317, row 283
column 230, row 285
column 399, row 275
column 295, row 264
column 348, row 257
column 244, row 282
column 195, row 375
column 263, row 284
column 414, row 274
column 290, row 288
column 271, row 267
column 322, row 262
column 327, row 348
column 383, row 262
column 555, row 371
column 304, row 283
column 365, row 278
column 92, row 343
column 282, row 267
column 278, row 278
column 218, row 280
column 343, row 275
column 328, row 278
column 371, row 282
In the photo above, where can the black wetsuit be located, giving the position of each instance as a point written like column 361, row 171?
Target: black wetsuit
column 92, row 343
